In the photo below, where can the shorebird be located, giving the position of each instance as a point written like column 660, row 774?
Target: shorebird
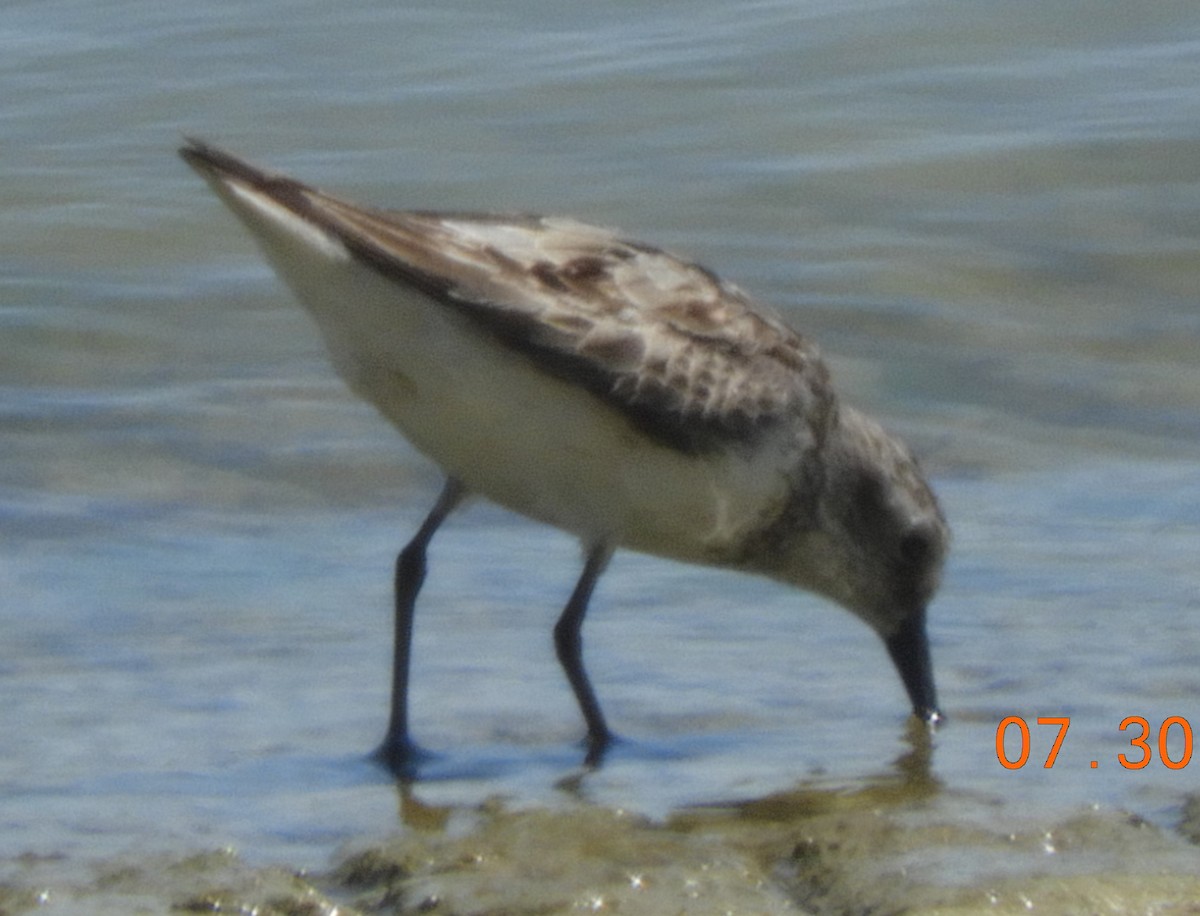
column 607, row 388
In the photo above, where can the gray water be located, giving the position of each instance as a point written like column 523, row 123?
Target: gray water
column 987, row 214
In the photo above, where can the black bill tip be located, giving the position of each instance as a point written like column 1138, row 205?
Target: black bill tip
column 909, row 650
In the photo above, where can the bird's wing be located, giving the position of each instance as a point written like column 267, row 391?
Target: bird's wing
column 683, row 354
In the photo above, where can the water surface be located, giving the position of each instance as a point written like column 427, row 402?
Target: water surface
column 986, row 214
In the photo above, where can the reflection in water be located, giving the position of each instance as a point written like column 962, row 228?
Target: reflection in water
column 908, row 780
column 417, row 815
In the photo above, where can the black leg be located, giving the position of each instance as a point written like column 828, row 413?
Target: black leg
column 569, row 646
column 397, row 751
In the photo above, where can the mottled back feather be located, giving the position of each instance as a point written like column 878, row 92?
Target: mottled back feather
column 685, row 356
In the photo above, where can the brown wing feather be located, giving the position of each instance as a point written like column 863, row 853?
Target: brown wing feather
column 688, row 358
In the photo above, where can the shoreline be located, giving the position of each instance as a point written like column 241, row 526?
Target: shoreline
column 876, row 850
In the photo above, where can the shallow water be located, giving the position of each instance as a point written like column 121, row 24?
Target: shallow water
column 986, row 214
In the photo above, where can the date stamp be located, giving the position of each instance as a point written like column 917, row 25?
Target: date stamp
column 1143, row 740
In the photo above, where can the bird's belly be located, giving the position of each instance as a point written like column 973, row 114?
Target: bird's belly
column 537, row 444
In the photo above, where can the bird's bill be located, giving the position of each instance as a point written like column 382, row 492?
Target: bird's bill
column 909, row 649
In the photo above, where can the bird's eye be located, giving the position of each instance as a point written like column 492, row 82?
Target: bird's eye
column 868, row 500
column 917, row 546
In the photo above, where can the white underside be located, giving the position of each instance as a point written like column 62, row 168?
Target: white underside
column 488, row 416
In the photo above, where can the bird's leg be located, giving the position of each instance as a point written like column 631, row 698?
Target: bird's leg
column 397, row 751
column 569, row 646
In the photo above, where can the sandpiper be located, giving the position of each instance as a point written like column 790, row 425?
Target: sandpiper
column 607, row 388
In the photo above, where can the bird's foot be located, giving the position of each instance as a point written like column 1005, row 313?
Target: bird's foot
column 400, row 756
column 598, row 745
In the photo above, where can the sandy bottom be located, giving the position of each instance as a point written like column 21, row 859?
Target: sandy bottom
column 875, row 851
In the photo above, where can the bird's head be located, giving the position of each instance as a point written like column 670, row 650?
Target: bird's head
column 876, row 544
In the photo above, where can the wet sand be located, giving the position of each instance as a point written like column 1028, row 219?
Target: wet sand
column 880, row 850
